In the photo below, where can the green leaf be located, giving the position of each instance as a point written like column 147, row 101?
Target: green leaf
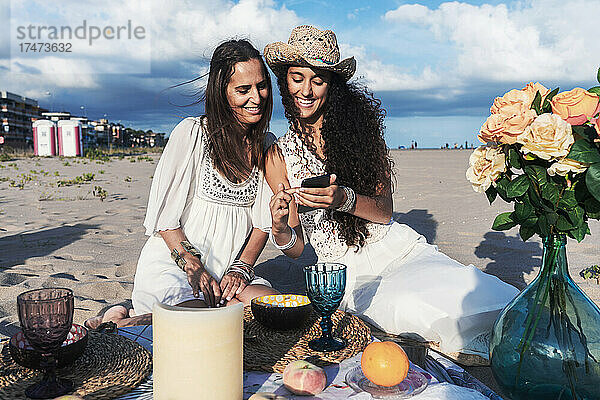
column 595, row 90
column 513, row 159
column 550, row 192
column 526, row 232
column 552, row 218
column 517, row 187
column 547, row 107
column 491, row 194
column 563, row 224
column 530, row 222
column 537, row 173
column 568, row 200
column 544, row 225
column 504, row 222
column 584, row 151
column 576, row 216
column 581, row 191
column 501, row 188
column 598, row 75
column 592, row 180
column 523, row 211
column 592, row 208
column 580, row 232
column 537, row 103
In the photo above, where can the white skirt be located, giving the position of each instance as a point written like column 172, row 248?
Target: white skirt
column 405, row 286
column 218, row 231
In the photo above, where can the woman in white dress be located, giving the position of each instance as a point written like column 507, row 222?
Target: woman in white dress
column 204, row 217
column 395, row 279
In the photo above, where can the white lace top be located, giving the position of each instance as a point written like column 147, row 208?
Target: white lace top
column 321, row 232
column 185, row 172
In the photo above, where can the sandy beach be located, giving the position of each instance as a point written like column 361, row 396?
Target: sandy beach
column 56, row 230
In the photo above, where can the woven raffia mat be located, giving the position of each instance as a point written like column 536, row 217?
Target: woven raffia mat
column 270, row 350
column 110, row 366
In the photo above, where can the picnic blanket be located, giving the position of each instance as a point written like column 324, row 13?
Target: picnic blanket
column 448, row 380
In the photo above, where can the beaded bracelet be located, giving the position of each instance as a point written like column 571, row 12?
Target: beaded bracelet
column 191, row 249
column 178, row 257
column 350, row 200
column 179, row 260
column 286, row 246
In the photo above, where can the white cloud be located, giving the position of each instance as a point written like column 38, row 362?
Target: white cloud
column 535, row 40
column 181, row 32
column 381, row 76
column 187, row 29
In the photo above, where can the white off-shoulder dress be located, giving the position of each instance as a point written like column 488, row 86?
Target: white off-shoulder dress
column 398, row 281
column 215, row 214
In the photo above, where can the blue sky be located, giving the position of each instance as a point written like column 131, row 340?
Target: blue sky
column 435, row 65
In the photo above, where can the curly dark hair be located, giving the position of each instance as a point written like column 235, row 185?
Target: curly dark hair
column 353, row 145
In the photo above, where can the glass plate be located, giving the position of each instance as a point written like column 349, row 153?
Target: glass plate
column 414, row 383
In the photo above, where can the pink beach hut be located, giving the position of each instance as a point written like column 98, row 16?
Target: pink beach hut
column 44, row 138
column 70, row 143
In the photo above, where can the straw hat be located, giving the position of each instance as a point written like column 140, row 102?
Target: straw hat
column 309, row 47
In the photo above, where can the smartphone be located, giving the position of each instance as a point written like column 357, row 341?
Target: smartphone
column 321, row 181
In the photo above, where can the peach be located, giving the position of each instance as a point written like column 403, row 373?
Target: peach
column 303, row 378
column 267, row 396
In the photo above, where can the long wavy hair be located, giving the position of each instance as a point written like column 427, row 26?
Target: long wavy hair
column 353, row 145
column 227, row 138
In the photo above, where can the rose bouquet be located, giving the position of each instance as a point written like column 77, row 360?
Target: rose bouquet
column 542, row 153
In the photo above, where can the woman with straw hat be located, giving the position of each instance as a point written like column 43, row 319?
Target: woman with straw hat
column 395, row 279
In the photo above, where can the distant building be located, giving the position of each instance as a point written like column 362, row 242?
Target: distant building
column 17, row 114
column 144, row 139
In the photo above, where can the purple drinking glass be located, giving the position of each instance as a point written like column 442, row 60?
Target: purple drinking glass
column 46, row 316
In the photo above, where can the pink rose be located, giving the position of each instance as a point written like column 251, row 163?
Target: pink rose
column 576, row 106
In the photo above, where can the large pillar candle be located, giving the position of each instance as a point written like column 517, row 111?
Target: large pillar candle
column 198, row 353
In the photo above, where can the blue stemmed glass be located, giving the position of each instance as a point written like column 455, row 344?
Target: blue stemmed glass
column 325, row 285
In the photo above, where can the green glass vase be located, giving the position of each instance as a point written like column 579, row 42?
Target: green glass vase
column 546, row 342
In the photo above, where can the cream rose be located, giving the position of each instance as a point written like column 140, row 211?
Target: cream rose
column 548, row 137
column 566, row 165
column 485, row 166
column 576, row 106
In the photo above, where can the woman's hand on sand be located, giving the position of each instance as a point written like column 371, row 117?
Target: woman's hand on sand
column 332, row 196
column 232, row 284
column 200, row 280
column 280, row 209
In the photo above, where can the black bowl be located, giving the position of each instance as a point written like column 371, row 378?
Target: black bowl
column 72, row 348
column 281, row 311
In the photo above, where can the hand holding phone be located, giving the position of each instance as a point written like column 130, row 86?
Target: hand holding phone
column 321, row 181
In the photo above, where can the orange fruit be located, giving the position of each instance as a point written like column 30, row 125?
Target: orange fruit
column 384, row 363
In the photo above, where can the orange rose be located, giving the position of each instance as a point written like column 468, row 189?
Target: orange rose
column 511, row 114
column 505, row 126
column 596, row 123
column 576, row 106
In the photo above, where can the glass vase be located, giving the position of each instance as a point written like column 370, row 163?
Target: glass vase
column 546, row 342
